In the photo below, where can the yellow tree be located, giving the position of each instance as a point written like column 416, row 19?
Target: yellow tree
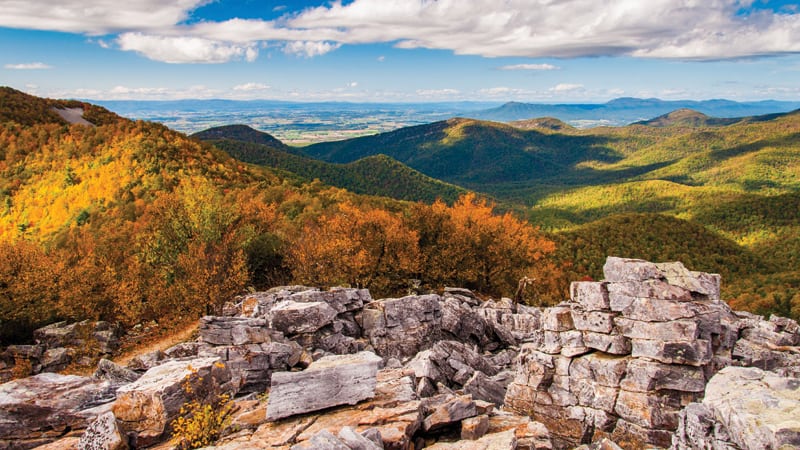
column 368, row 248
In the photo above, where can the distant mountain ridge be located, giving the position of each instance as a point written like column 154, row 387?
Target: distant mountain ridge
column 625, row 110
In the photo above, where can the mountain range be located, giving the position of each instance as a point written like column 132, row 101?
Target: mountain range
column 135, row 202
column 729, row 188
column 622, row 111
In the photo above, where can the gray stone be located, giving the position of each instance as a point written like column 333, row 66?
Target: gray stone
column 596, row 321
column 340, row 299
column 185, row 350
column 706, row 284
column 253, row 364
column 593, row 394
column 450, row 412
column 481, row 387
column 606, row 370
column 659, row 310
column 55, row 359
column 572, row 343
column 374, row 435
column 648, row 376
column 330, row 381
column 676, row 330
column 557, row 318
column 590, row 295
column 465, row 325
column 615, row 344
column 757, row 408
column 623, row 269
column 146, row 361
column 217, row 330
column 103, row 434
column 42, row 408
column 695, row 353
column 114, row 373
column 402, row 327
column 699, row 430
column 292, row 317
column 355, row 441
column 322, row 440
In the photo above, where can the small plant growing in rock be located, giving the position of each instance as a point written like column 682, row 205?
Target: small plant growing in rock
column 200, row 422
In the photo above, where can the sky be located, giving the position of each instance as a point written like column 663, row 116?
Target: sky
column 550, row 51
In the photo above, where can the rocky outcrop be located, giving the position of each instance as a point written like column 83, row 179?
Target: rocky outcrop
column 647, row 358
column 61, row 344
column 746, row 408
column 625, row 356
column 330, row 381
column 42, row 408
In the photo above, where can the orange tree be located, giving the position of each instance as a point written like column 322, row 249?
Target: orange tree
column 468, row 245
column 357, row 246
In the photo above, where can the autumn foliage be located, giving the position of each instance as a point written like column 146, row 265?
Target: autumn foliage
column 131, row 222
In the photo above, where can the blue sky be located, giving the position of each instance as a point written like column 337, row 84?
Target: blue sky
column 402, row 50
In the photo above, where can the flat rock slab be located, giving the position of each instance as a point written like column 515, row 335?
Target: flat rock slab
column 759, row 409
column 295, row 317
column 44, row 407
column 329, row 381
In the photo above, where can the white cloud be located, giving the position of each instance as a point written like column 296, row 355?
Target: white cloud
column 95, row 16
column 180, row 49
column 685, row 29
column 309, row 49
column 28, row 66
column 530, row 67
column 381, row 58
column 566, row 87
column 566, row 28
column 352, row 84
column 251, row 87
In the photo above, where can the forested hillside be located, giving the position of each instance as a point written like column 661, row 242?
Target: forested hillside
column 372, row 175
column 131, row 222
column 734, row 180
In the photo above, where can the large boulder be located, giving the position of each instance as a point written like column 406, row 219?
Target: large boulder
column 292, row 317
column 42, row 408
column 758, row 409
column 146, row 407
column 329, row 381
column 401, row 327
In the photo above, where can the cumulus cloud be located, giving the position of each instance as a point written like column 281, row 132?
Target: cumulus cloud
column 530, row 67
column 677, row 29
column 309, row 49
column 95, row 16
column 28, row 66
column 251, row 87
column 180, row 49
column 567, row 28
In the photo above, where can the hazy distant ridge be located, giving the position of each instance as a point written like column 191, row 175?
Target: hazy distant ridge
column 626, row 110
